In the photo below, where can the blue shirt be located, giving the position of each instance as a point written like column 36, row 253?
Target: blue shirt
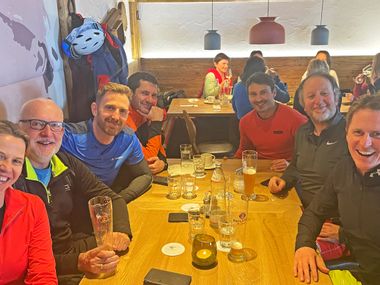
column 103, row 160
column 44, row 174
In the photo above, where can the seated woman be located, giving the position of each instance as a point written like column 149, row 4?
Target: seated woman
column 26, row 255
column 324, row 55
column 353, row 191
column 314, row 66
column 217, row 78
column 368, row 83
column 240, row 101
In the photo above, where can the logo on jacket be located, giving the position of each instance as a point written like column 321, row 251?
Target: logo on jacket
column 331, row 143
column 377, row 172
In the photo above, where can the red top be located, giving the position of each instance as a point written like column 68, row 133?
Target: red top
column 272, row 138
column 26, row 255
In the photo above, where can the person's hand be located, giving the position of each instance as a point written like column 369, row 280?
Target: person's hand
column 155, row 164
column 120, row 241
column 155, row 114
column 271, row 72
column 330, row 230
column 98, row 260
column 306, row 264
column 276, row 184
column 279, row 165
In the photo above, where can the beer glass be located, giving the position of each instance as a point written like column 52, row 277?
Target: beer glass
column 100, row 208
column 249, row 161
column 186, row 159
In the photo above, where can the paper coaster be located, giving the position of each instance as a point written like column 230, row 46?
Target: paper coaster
column 173, row 249
column 221, row 248
column 187, row 207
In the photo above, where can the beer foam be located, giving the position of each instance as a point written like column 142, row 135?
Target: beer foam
column 249, row 171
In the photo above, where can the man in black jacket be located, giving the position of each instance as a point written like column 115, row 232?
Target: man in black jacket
column 352, row 189
column 65, row 185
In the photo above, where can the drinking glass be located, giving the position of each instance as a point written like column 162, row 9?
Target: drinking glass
column 199, row 166
column 204, row 251
column 238, row 181
column 100, row 208
column 188, row 187
column 227, row 228
column 186, row 160
column 249, row 161
column 196, row 222
column 175, row 185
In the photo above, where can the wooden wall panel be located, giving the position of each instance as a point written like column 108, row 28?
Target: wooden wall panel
column 188, row 74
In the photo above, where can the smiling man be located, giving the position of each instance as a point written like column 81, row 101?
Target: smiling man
column 65, row 185
column 146, row 118
column 352, row 189
column 111, row 150
column 271, row 127
column 319, row 144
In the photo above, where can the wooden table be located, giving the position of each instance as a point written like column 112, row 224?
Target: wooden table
column 197, row 108
column 270, row 230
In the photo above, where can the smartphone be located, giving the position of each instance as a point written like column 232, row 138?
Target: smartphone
column 162, row 180
column 161, row 277
column 177, row 217
column 265, row 182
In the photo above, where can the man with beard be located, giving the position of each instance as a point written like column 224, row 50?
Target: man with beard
column 65, row 185
column 145, row 118
column 352, row 188
column 109, row 149
column 319, row 144
column 271, row 127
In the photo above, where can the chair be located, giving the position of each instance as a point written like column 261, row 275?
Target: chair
column 217, row 148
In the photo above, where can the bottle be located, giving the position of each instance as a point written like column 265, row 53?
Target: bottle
column 218, row 195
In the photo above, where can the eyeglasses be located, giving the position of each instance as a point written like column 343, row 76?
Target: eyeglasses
column 39, row 125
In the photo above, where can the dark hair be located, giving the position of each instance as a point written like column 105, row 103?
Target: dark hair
column 9, row 128
column 261, row 78
column 327, row 54
column 327, row 76
column 254, row 52
column 371, row 102
column 112, row 87
column 221, row 56
column 134, row 80
column 253, row 64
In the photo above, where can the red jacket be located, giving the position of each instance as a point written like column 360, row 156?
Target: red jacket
column 26, row 255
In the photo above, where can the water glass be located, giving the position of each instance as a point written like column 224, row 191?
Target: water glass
column 186, row 159
column 196, row 221
column 175, row 187
column 188, row 187
column 238, row 181
column 199, row 166
column 227, row 229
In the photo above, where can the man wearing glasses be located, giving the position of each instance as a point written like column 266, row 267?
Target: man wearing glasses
column 65, row 185
column 111, row 151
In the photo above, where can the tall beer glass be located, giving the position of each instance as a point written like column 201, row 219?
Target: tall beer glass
column 249, row 161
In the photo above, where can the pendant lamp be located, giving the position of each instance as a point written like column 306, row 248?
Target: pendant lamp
column 267, row 31
column 212, row 39
column 320, row 35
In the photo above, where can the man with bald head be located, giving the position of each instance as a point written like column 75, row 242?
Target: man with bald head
column 65, row 185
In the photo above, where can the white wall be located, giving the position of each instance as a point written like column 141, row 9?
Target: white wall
column 177, row 29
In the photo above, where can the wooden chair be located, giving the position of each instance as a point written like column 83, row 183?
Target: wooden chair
column 217, row 148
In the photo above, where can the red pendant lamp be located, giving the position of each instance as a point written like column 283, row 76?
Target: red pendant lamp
column 267, row 31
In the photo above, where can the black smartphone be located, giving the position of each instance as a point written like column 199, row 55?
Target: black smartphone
column 161, row 277
column 162, row 180
column 177, row 217
column 265, row 182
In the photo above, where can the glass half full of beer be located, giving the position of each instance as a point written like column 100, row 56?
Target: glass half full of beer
column 249, row 162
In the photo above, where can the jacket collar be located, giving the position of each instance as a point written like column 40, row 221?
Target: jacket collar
column 57, row 167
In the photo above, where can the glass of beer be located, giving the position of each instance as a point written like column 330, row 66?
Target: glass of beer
column 249, row 161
